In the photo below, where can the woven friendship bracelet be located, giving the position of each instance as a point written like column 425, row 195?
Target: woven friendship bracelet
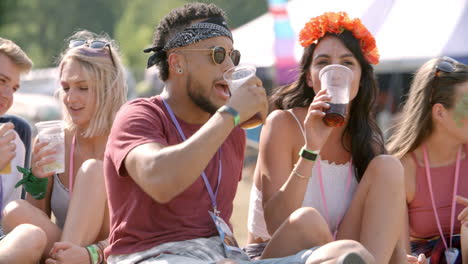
column 93, row 254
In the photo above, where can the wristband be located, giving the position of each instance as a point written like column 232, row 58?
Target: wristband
column 35, row 186
column 308, row 154
column 232, row 112
column 93, row 254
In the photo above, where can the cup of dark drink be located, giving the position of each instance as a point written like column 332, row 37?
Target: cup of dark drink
column 337, row 80
column 236, row 77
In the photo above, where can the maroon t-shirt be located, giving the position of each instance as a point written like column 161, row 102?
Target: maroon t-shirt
column 137, row 221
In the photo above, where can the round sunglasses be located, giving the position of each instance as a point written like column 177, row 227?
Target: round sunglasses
column 218, row 54
column 94, row 44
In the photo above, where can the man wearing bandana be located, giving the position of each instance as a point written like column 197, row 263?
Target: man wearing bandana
column 173, row 161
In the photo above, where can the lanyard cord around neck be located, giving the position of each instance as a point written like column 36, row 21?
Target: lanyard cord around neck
column 324, row 199
column 455, row 189
column 212, row 194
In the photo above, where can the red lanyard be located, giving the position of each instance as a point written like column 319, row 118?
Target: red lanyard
column 455, row 189
column 324, row 199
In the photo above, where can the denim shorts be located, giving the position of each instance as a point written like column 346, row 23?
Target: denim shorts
column 197, row 251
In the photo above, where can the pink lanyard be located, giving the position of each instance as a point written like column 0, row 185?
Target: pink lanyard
column 455, row 188
column 70, row 171
column 324, row 199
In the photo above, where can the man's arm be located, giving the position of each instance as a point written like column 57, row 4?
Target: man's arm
column 164, row 172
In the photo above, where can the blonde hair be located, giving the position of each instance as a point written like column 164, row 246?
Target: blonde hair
column 414, row 124
column 106, row 80
column 16, row 55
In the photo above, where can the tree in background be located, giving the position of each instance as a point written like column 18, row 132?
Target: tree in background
column 135, row 29
column 41, row 26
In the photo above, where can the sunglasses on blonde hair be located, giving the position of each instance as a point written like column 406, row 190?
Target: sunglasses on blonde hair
column 445, row 64
column 218, row 54
column 93, row 44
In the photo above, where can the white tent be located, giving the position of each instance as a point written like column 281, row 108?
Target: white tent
column 408, row 32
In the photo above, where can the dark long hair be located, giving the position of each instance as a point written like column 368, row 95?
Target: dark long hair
column 366, row 139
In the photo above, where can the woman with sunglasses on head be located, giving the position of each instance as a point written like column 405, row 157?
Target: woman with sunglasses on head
column 93, row 89
column 341, row 173
column 430, row 138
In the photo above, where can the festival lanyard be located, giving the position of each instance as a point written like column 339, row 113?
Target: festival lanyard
column 324, row 199
column 203, row 174
column 70, row 170
column 455, row 188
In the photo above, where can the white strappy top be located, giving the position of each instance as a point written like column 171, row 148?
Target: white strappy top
column 334, row 183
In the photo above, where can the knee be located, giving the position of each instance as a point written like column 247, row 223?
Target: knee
column 13, row 213
column 309, row 221
column 306, row 215
column 35, row 236
column 387, row 170
column 92, row 166
column 91, row 171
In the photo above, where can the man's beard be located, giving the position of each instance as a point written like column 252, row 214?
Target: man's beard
column 199, row 99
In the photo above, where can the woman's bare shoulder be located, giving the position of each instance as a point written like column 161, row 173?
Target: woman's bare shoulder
column 285, row 116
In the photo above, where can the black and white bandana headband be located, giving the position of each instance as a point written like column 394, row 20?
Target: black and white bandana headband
column 212, row 27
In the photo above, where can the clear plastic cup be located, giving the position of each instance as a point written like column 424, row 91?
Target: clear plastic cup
column 236, row 77
column 53, row 132
column 337, row 80
column 7, row 168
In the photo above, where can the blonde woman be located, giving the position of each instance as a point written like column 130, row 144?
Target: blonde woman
column 93, row 88
column 430, row 138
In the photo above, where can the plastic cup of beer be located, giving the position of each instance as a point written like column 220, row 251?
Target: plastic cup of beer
column 236, row 77
column 53, row 133
column 6, row 169
column 337, row 80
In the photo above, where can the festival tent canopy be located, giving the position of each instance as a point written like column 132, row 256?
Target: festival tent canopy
column 408, row 32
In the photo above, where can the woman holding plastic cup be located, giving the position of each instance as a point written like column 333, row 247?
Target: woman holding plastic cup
column 93, row 88
column 337, row 168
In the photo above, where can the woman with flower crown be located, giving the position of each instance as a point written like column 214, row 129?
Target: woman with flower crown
column 430, row 137
column 342, row 173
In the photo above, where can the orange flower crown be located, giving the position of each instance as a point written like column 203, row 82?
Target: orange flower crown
column 336, row 23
